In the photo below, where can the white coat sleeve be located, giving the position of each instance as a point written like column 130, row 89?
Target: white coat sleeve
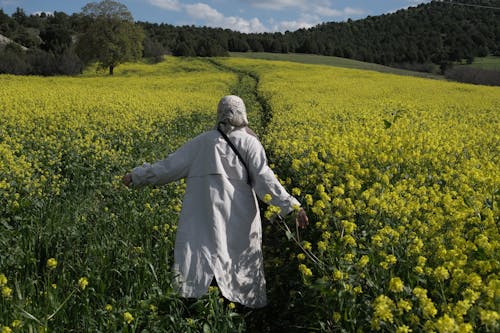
column 174, row 167
column 264, row 180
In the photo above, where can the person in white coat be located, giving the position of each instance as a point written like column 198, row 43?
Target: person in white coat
column 219, row 233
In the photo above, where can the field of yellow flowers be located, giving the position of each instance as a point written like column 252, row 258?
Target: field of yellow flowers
column 79, row 251
column 400, row 177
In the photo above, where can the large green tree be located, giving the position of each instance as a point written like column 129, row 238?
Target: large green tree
column 110, row 36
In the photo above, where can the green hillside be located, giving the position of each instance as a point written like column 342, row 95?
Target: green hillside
column 331, row 61
column 492, row 63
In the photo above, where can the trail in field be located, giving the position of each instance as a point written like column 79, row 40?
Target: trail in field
column 247, row 87
column 260, row 116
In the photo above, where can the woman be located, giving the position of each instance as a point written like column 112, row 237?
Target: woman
column 219, row 233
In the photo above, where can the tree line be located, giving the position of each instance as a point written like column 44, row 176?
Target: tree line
column 439, row 32
column 432, row 34
column 103, row 33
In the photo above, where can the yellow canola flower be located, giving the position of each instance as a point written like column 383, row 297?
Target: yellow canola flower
column 465, row 328
column 16, row 323
column 301, row 256
column 441, row 273
column 83, row 282
column 490, row 318
column 305, row 270
column 404, row 305
column 349, row 240
column 322, row 246
column 3, row 280
column 6, row 292
column 338, row 275
column 446, row 324
column 51, row 263
column 271, row 212
column 127, row 317
column 363, row 261
column 6, row 329
column 349, row 227
column 309, row 199
column 396, row 285
column 403, row 329
column 382, row 310
column 426, row 304
column 326, row 235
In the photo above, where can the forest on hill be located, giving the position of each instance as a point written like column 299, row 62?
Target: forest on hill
column 437, row 32
column 430, row 35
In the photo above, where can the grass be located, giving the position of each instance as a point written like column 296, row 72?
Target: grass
column 331, row 61
column 490, row 62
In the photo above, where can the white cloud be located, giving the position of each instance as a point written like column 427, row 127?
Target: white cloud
column 319, row 7
column 304, row 21
column 167, row 4
column 328, row 12
column 292, row 25
column 41, row 12
column 202, row 11
column 340, row 13
column 312, row 12
column 212, row 17
column 277, row 4
column 354, row 11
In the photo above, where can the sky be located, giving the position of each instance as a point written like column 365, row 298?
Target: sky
column 239, row 15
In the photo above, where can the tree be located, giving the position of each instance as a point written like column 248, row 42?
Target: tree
column 13, row 60
column 111, row 37
column 56, row 39
column 153, row 50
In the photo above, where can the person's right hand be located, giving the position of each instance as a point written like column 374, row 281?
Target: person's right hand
column 301, row 218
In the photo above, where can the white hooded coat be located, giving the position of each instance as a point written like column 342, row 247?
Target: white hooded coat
column 219, row 232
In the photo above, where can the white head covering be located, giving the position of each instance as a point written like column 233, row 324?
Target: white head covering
column 231, row 113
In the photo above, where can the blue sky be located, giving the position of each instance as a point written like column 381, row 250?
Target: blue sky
column 240, row 15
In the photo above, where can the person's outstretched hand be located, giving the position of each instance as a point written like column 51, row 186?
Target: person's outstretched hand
column 127, row 179
column 301, row 218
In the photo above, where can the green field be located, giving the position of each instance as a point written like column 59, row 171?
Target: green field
column 331, row 61
column 490, row 62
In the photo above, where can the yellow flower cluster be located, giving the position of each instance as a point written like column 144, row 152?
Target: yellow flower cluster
column 55, row 128
column 404, row 173
column 382, row 307
column 305, row 270
column 58, row 132
column 5, row 290
column 83, row 282
column 127, row 317
column 51, row 263
column 428, row 308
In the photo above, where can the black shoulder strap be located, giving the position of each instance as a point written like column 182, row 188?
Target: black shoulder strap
column 249, row 182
